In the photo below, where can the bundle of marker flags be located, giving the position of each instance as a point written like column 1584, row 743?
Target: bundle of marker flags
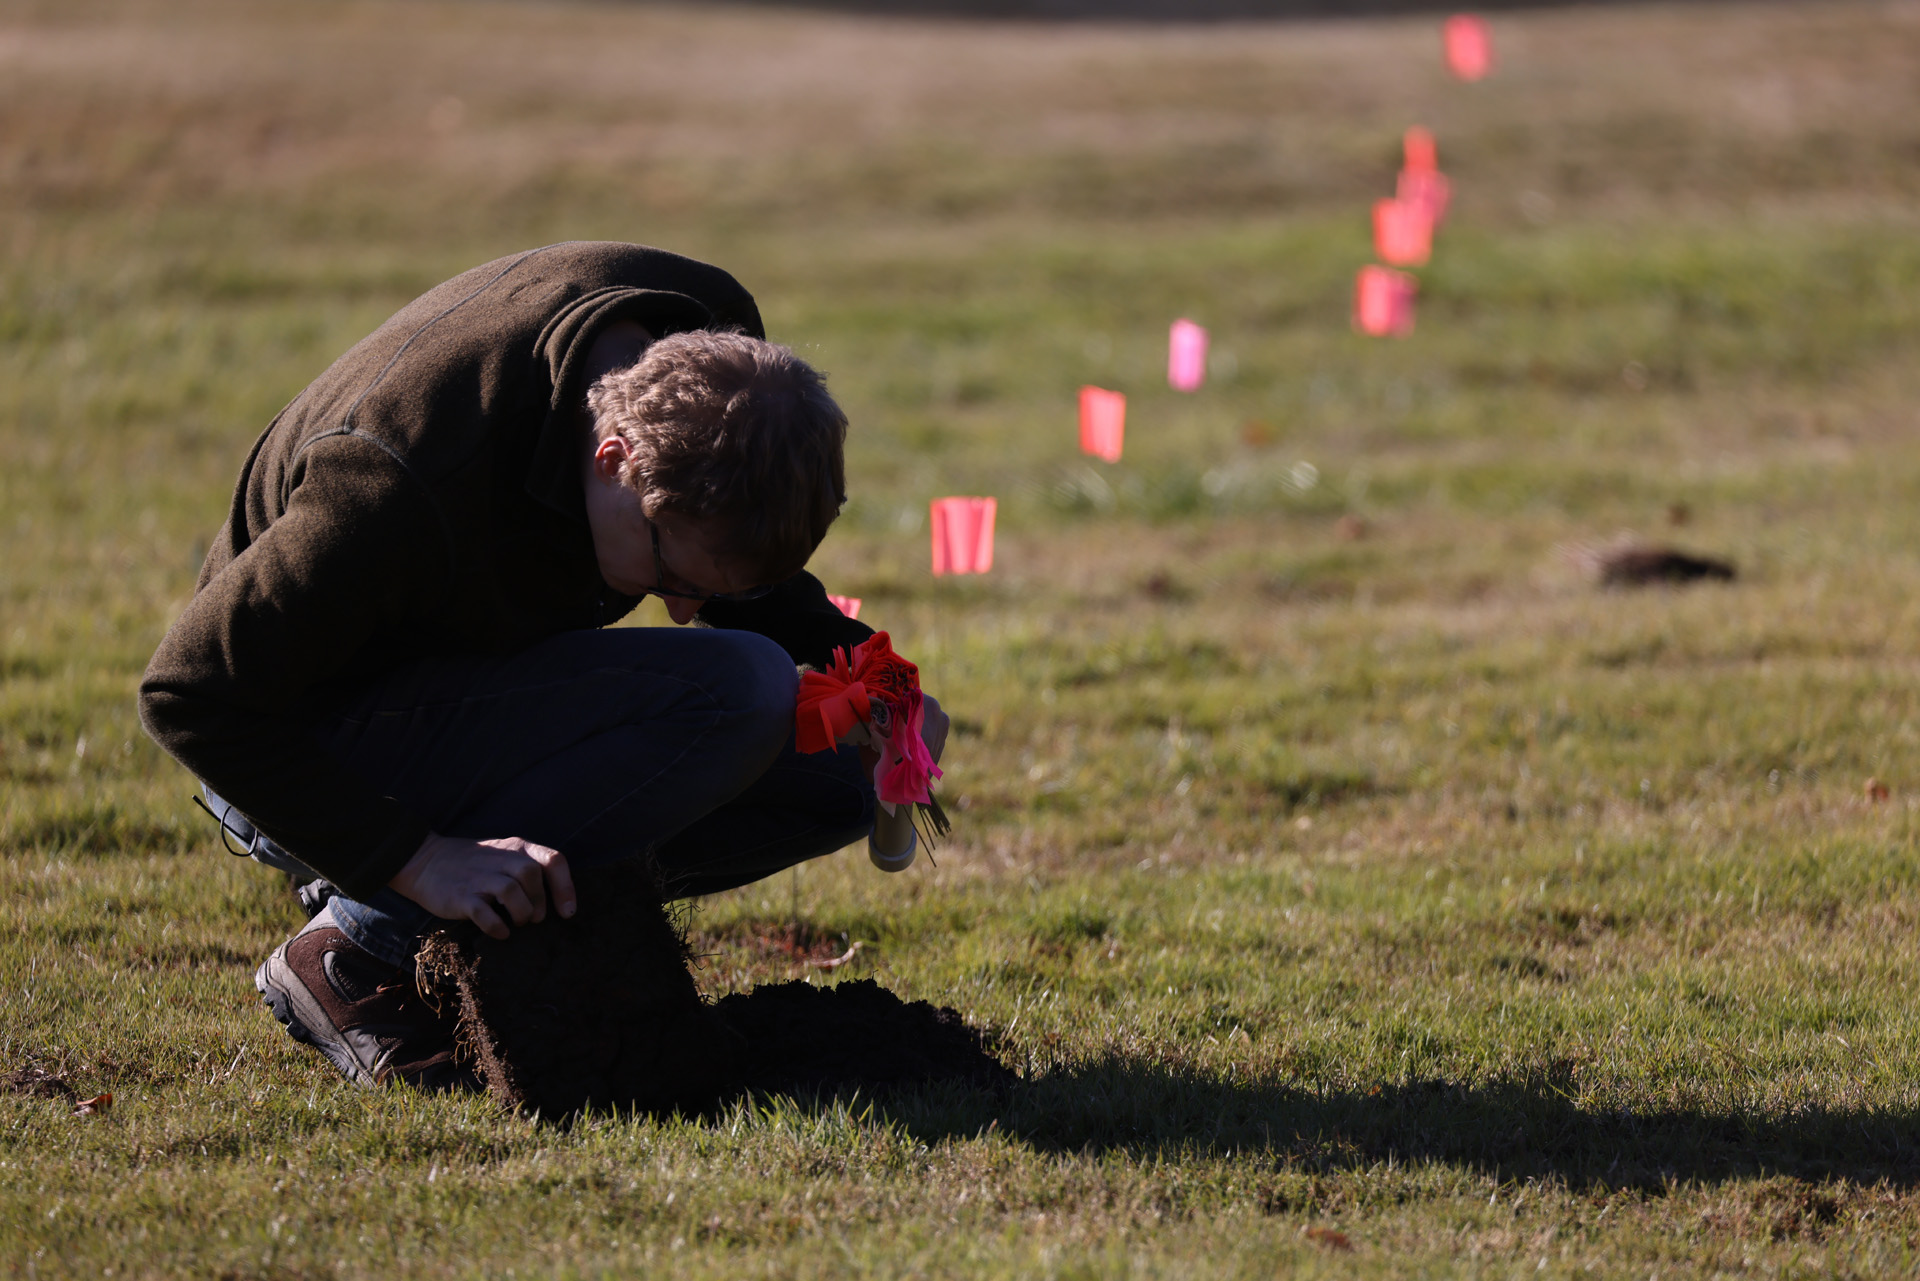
column 870, row 696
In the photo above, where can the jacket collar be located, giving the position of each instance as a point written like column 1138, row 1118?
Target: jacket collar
column 553, row 475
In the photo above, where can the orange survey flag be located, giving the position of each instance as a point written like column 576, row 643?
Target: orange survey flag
column 1469, row 46
column 1402, row 233
column 1103, row 422
column 830, row 703
column 1383, row 302
column 962, row 535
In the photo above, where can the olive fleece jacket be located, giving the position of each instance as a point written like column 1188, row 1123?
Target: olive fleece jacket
column 424, row 496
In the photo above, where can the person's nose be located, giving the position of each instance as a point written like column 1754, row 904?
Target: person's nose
column 682, row 610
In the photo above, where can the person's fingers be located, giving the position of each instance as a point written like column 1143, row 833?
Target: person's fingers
column 560, row 891
column 527, row 877
column 514, row 902
column 481, row 913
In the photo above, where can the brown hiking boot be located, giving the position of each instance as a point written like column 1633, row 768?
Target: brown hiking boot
column 363, row 1014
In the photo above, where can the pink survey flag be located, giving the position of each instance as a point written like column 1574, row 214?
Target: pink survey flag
column 1402, row 233
column 1469, row 46
column 848, row 605
column 1383, row 302
column 1427, row 188
column 962, row 535
column 1186, row 356
column 1418, row 147
column 1103, row 422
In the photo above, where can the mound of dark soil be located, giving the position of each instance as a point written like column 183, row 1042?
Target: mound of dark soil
column 600, row 1012
column 592, row 1013
column 803, row 1039
column 1638, row 566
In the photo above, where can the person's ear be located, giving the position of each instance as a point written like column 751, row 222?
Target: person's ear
column 610, row 457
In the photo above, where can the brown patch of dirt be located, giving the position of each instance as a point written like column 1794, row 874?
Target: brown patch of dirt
column 600, row 1013
column 1628, row 563
column 36, row 1082
column 794, row 943
column 1786, row 1209
column 1635, row 566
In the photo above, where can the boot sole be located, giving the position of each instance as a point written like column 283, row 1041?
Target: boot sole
column 302, row 1016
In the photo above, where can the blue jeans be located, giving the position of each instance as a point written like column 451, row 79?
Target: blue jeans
column 605, row 745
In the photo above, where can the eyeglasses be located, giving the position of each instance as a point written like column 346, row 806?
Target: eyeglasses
column 660, row 588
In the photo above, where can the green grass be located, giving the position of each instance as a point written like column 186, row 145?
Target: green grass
column 1357, row 888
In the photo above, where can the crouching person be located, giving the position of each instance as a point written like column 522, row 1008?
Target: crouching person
column 393, row 676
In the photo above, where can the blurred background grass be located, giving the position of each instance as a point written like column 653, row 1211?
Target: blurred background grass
column 1297, row 761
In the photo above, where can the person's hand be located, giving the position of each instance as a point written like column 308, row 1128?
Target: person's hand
column 487, row 882
column 933, row 732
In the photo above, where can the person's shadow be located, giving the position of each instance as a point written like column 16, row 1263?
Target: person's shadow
column 1511, row 1129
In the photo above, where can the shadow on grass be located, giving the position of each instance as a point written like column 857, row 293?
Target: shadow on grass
column 1510, row 1130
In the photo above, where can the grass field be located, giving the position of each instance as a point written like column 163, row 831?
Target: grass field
column 1358, row 889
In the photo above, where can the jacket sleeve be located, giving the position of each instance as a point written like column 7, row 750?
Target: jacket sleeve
column 228, row 693
column 796, row 615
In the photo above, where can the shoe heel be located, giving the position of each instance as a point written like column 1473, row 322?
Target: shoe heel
column 279, row 1005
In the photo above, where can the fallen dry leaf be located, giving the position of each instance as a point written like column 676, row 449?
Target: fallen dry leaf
column 95, row 1106
column 1876, row 790
column 1332, row 1238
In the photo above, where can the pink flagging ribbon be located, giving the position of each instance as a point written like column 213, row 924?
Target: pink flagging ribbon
column 906, row 770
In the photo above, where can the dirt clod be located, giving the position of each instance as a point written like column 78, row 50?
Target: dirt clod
column 803, row 1039
column 593, row 1013
column 1635, row 566
column 1626, row 562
